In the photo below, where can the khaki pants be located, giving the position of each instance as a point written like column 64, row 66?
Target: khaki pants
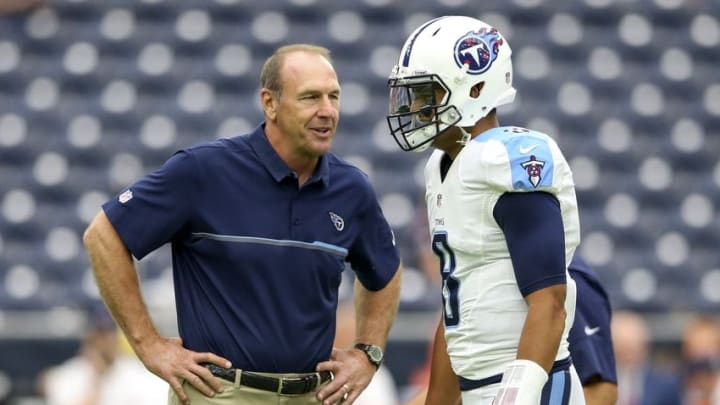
column 236, row 394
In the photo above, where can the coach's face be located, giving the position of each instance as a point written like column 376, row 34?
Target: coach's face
column 309, row 105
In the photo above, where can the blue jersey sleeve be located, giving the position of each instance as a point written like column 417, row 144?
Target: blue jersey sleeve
column 533, row 228
column 531, row 163
column 516, row 160
column 152, row 211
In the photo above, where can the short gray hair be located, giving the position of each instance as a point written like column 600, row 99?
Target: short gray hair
column 270, row 75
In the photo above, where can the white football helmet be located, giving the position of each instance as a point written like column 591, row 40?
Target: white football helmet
column 452, row 53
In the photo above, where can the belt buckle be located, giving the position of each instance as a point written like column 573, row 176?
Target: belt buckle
column 307, row 382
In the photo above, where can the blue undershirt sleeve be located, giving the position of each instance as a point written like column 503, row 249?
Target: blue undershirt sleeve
column 534, row 232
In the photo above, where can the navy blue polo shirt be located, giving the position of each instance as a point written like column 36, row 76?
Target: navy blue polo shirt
column 590, row 338
column 257, row 261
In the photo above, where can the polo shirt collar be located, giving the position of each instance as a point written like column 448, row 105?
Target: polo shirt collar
column 276, row 166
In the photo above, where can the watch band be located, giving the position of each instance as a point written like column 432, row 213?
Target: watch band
column 374, row 353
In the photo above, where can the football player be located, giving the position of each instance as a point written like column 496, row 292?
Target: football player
column 502, row 214
column 590, row 340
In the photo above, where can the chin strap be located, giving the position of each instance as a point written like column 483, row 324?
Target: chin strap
column 465, row 138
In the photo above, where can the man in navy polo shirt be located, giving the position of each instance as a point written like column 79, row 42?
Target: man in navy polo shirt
column 261, row 227
column 590, row 338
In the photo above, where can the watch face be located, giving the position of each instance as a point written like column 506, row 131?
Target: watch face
column 375, row 353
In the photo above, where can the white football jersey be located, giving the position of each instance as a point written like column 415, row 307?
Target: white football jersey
column 483, row 307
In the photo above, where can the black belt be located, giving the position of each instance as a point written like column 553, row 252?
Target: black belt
column 283, row 385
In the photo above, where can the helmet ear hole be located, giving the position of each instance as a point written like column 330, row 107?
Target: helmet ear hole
column 476, row 89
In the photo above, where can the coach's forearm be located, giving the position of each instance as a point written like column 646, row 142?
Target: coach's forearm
column 544, row 326
column 376, row 310
column 117, row 281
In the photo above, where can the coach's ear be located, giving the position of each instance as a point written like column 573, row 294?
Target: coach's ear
column 268, row 103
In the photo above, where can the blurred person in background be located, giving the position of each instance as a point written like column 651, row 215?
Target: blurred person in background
column 590, row 338
column 19, row 6
column 382, row 389
column 590, row 342
column 103, row 372
column 701, row 361
column 639, row 381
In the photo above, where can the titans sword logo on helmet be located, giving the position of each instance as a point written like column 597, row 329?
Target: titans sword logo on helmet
column 478, row 50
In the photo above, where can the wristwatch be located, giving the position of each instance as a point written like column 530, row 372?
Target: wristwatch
column 373, row 352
